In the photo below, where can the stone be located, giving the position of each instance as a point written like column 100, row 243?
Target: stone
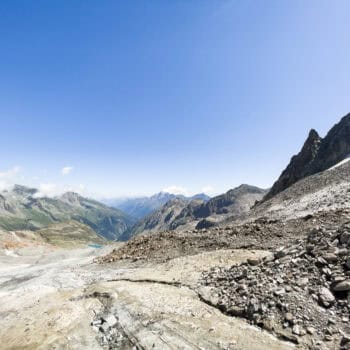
column 104, row 327
column 279, row 292
column 342, row 286
column 330, row 258
column 268, row 324
column 280, row 253
column 345, row 238
column 345, row 340
column 326, row 297
column 303, row 282
column 110, row 320
column 236, row 311
column 253, row 261
column 296, row 330
column 289, row 317
column 310, row 330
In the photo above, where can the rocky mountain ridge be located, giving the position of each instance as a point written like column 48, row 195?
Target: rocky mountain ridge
column 317, row 154
column 179, row 214
column 140, row 207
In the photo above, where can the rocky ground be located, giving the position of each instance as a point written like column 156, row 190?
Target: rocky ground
column 326, row 191
column 261, row 233
column 59, row 299
column 302, row 293
column 299, row 294
column 201, row 289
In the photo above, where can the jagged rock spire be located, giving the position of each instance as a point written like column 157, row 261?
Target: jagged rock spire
column 316, row 155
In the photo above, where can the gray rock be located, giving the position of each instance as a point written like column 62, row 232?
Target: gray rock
column 342, row 286
column 280, row 253
column 110, row 320
column 104, row 327
column 296, row 330
column 289, row 317
column 347, row 264
column 330, row 257
column 345, row 238
column 253, row 261
column 326, row 297
column 310, row 330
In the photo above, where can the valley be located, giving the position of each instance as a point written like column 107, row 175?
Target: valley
column 51, row 298
column 174, row 175
column 248, row 269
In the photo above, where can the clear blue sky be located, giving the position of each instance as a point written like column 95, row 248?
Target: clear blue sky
column 137, row 96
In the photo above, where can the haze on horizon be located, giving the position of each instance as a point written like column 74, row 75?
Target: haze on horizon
column 112, row 99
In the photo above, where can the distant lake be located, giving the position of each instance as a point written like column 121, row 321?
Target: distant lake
column 98, row 246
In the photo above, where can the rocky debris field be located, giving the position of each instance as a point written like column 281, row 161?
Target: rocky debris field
column 328, row 190
column 109, row 332
column 259, row 234
column 301, row 293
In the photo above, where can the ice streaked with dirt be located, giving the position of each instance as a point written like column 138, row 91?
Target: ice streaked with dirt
column 50, row 296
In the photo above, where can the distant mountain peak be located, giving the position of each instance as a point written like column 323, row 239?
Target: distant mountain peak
column 162, row 194
column 23, row 190
column 181, row 212
column 313, row 135
column 71, row 198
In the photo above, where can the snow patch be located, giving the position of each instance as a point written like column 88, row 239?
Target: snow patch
column 345, row 160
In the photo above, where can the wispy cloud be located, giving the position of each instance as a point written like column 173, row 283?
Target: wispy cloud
column 176, row 190
column 209, row 190
column 47, row 190
column 66, row 170
column 53, row 190
column 8, row 177
column 7, row 174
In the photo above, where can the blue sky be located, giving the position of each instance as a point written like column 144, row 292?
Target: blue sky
column 138, row 96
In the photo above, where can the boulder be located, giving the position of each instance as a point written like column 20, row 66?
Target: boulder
column 326, row 297
column 343, row 286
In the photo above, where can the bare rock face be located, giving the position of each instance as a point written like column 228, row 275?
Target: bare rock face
column 334, row 147
column 299, row 164
column 316, row 155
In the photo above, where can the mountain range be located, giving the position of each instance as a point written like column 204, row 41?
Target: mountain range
column 21, row 209
column 278, row 258
column 308, row 175
column 305, row 185
column 139, row 207
column 180, row 214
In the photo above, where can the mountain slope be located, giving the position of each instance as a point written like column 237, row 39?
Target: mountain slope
column 140, row 207
column 180, row 214
column 159, row 220
column 316, row 155
column 70, row 234
column 20, row 209
column 324, row 191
